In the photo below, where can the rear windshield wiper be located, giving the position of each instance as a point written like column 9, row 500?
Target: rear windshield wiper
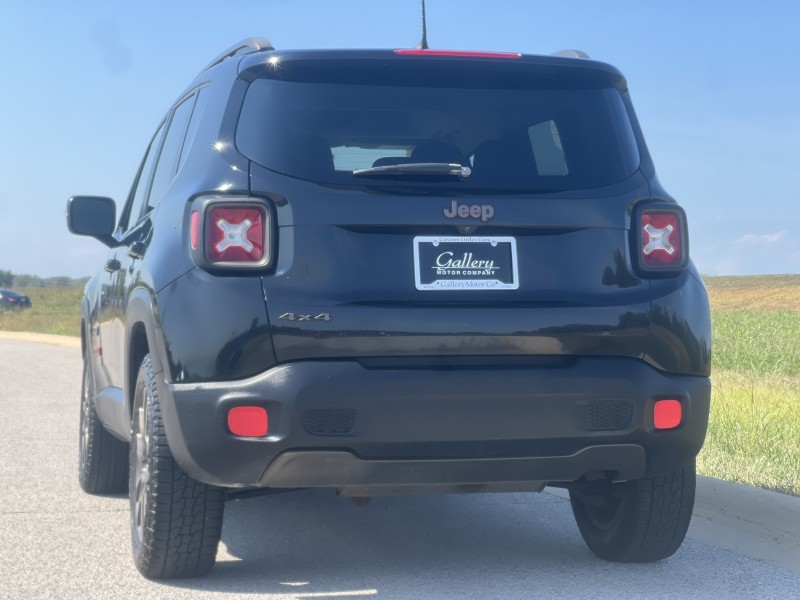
column 435, row 169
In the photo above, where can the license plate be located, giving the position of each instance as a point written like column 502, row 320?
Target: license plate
column 465, row 263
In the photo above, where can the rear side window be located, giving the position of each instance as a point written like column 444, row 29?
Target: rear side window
column 173, row 143
column 536, row 140
column 194, row 124
column 141, row 187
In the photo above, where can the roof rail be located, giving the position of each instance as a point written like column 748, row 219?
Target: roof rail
column 246, row 46
column 571, row 53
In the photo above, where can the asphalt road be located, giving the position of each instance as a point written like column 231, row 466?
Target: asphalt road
column 57, row 542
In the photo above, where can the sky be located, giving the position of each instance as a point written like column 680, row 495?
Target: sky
column 716, row 87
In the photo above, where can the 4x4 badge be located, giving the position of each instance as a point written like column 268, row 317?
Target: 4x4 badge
column 484, row 212
column 290, row 316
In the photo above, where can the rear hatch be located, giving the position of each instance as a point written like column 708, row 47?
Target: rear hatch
column 451, row 210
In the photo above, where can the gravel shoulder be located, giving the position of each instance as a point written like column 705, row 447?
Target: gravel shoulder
column 41, row 338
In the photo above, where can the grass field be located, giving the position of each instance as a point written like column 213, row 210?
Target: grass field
column 55, row 310
column 754, row 432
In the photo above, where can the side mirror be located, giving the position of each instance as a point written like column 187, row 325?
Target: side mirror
column 94, row 216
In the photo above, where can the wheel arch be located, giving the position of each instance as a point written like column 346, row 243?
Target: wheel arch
column 85, row 319
column 142, row 337
column 83, row 337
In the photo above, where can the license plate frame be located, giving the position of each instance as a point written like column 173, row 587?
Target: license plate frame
column 465, row 263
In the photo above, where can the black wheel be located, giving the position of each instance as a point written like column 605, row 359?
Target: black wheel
column 102, row 458
column 176, row 521
column 636, row 521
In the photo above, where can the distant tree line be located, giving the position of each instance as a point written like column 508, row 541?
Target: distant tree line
column 9, row 279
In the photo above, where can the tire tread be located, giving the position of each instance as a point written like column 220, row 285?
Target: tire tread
column 106, row 468
column 653, row 520
column 184, row 520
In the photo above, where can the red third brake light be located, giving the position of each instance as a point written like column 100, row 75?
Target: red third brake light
column 456, row 53
column 235, row 234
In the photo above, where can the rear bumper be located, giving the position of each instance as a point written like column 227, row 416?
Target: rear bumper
column 340, row 424
column 360, row 477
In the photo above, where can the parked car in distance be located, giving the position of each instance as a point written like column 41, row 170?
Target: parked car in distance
column 9, row 299
column 394, row 272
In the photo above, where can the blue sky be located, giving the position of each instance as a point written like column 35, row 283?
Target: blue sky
column 715, row 84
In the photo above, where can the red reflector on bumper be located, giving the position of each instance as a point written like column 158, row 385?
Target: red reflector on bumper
column 667, row 414
column 248, row 421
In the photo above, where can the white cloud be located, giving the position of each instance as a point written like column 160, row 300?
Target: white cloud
column 755, row 239
column 750, row 254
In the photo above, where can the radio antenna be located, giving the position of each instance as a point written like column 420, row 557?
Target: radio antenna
column 423, row 43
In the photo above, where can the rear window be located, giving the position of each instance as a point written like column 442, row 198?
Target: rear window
column 535, row 140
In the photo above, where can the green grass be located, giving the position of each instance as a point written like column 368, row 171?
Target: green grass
column 754, row 429
column 55, row 310
column 757, row 343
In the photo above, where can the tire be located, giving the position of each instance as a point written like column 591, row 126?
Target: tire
column 176, row 521
column 636, row 521
column 102, row 458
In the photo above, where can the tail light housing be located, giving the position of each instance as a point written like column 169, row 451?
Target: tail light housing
column 231, row 232
column 660, row 239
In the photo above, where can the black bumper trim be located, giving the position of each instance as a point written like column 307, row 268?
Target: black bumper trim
column 320, row 468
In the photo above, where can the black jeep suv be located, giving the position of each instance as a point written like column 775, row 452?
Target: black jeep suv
column 389, row 272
